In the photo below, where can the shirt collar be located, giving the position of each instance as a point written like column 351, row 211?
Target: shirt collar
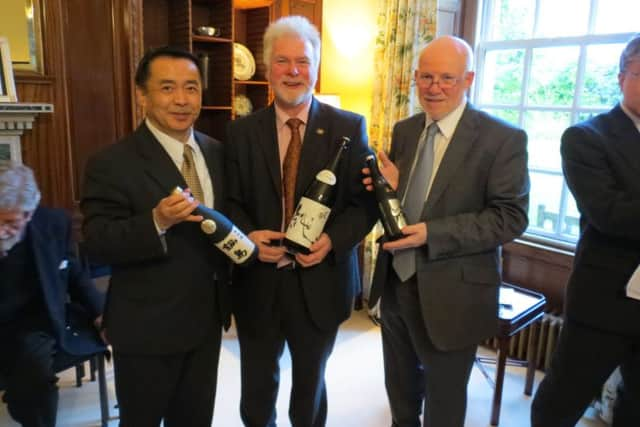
column 635, row 119
column 448, row 123
column 174, row 147
column 282, row 117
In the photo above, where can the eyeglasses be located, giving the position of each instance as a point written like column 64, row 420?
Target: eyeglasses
column 445, row 81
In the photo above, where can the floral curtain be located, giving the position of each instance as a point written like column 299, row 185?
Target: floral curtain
column 404, row 27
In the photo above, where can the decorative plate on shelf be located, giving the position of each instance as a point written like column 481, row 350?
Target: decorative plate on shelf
column 242, row 105
column 244, row 66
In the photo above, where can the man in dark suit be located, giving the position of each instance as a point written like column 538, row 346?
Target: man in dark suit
column 600, row 159
column 166, row 303
column 439, row 284
column 38, row 272
column 299, row 300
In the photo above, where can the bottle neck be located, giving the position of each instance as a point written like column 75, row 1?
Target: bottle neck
column 342, row 146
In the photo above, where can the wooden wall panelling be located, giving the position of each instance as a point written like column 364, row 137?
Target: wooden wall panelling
column 45, row 148
column 98, row 77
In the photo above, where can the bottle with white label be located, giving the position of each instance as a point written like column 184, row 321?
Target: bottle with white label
column 225, row 235
column 312, row 212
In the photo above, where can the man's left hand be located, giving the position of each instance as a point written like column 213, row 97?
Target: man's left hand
column 415, row 235
column 319, row 251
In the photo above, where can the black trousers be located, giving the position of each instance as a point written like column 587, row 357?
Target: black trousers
column 260, row 355
column 418, row 376
column 582, row 362
column 177, row 388
column 27, row 362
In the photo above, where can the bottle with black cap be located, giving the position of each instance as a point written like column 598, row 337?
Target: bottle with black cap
column 389, row 207
column 312, row 212
column 225, row 235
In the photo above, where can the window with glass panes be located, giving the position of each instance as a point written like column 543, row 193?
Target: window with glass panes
column 544, row 65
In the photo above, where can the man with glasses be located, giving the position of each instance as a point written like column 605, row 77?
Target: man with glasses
column 601, row 163
column 463, row 178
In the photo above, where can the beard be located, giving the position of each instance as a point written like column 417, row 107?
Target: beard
column 291, row 98
column 8, row 243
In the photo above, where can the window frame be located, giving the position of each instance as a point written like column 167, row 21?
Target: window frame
column 483, row 46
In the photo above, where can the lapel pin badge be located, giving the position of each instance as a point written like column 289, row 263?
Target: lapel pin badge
column 320, row 131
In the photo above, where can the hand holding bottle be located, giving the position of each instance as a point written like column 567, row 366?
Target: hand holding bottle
column 175, row 208
column 266, row 241
column 388, row 170
column 317, row 251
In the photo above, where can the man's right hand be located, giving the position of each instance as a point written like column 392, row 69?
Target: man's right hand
column 387, row 169
column 263, row 239
column 174, row 209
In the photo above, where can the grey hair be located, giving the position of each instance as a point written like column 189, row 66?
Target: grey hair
column 293, row 25
column 631, row 52
column 18, row 187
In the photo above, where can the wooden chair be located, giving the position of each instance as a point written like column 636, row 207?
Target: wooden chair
column 519, row 308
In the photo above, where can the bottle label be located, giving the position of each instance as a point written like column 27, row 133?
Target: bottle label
column 327, row 177
column 236, row 245
column 308, row 222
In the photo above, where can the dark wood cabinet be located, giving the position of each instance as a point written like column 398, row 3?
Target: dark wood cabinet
column 173, row 22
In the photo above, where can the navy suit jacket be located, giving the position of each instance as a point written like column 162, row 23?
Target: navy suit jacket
column 62, row 276
column 478, row 201
column 601, row 163
column 159, row 301
column 255, row 203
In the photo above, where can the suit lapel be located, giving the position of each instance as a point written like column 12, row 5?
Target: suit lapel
column 267, row 135
column 407, row 151
column 316, row 147
column 462, row 140
column 157, row 163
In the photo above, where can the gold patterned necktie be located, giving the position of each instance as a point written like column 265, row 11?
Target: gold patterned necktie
column 290, row 169
column 190, row 173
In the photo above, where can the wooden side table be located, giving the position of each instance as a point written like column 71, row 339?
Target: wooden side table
column 518, row 309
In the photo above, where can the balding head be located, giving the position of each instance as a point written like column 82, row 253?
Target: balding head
column 444, row 74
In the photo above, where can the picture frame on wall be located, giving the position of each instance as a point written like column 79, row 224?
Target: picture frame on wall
column 7, row 85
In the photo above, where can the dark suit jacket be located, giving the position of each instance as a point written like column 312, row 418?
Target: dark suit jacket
column 61, row 276
column 255, row 203
column 601, row 163
column 478, row 201
column 159, row 301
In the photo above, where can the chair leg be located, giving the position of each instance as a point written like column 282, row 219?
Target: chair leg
column 503, row 343
column 102, row 386
column 531, row 359
column 79, row 374
column 92, row 368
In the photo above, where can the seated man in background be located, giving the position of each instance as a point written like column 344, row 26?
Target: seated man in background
column 38, row 269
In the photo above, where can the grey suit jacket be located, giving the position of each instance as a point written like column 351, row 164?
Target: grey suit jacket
column 478, row 201
column 600, row 162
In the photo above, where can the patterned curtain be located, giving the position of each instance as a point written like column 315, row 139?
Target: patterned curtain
column 404, row 27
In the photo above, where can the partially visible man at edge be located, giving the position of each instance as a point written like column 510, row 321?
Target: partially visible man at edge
column 167, row 298
column 601, row 163
column 463, row 177
column 47, row 300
